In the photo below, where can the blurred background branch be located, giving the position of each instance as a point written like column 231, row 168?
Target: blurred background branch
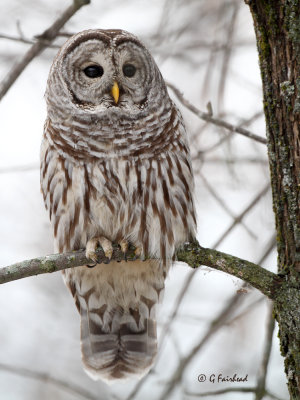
column 43, row 40
column 217, row 121
column 74, row 389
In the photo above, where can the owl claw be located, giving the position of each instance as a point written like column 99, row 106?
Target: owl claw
column 91, row 265
column 91, row 247
column 90, row 251
column 124, row 245
column 138, row 251
column 106, row 246
column 124, row 248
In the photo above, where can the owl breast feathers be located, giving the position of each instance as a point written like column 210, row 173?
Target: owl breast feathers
column 115, row 167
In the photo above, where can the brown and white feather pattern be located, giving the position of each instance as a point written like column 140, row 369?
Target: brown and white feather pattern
column 122, row 172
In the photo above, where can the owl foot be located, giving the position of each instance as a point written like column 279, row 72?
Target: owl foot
column 137, row 252
column 124, row 245
column 124, row 248
column 106, row 246
column 90, row 251
column 92, row 244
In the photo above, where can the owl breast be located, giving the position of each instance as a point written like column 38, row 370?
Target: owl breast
column 135, row 186
column 145, row 201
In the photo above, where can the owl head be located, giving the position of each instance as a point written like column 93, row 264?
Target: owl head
column 105, row 71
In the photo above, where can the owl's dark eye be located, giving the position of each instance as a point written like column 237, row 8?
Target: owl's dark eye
column 93, row 71
column 129, row 70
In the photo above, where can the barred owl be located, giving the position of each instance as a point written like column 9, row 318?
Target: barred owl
column 115, row 167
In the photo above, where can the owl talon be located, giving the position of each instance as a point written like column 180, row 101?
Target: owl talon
column 106, row 246
column 91, row 265
column 138, row 251
column 124, row 245
column 124, row 248
column 91, row 247
column 90, row 251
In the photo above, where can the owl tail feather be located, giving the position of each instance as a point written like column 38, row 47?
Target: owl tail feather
column 128, row 350
column 117, row 307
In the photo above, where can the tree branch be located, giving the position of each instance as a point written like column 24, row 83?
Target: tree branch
column 265, row 281
column 262, row 377
column 45, row 378
column 191, row 253
column 27, row 41
column 222, row 391
column 231, row 390
column 43, row 41
column 216, row 121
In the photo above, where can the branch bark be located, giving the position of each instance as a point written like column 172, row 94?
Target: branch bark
column 44, row 40
column 191, row 253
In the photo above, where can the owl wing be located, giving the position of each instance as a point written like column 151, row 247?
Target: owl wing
column 65, row 195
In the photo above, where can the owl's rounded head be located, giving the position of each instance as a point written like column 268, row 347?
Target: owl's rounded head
column 101, row 70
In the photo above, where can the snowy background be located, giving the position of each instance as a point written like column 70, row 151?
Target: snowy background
column 206, row 48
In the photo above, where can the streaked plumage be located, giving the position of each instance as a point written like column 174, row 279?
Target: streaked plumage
column 120, row 171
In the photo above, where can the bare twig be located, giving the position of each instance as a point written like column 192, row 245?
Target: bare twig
column 43, row 41
column 176, row 308
column 219, row 122
column 132, row 395
column 270, row 246
column 245, row 160
column 222, row 391
column 261, row 381
column 45, row 378
column 19, row 29
column 273, row 396
column 190, row 277
column 222, row 203
column 224, row 138
column 191, row 253
column 167, row 326
column 222, row 319
column 240, row 217
column 227, row 52
column 66, row 34
column 22, row 39
column 215, row 325
column 213, row 147
column 231, row 390
column 250, row 120
column 247, row 309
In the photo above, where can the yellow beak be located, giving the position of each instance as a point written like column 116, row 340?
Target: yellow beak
column 115, row 91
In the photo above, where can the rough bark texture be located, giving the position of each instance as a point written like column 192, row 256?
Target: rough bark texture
column 277, row 28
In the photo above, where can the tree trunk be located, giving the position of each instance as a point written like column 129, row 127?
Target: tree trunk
column 277, row 28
